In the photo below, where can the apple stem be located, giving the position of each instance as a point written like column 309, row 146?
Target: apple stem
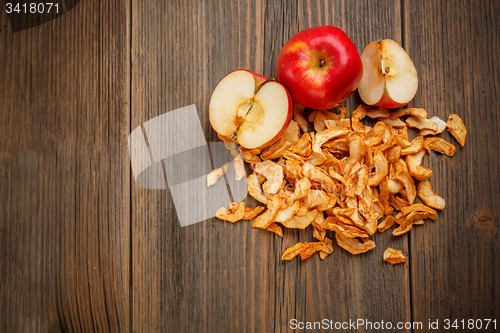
column 321, row 62
column 262, row 84
column 249, row 107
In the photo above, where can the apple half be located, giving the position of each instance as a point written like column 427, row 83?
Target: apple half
column 250, row 109
column 389, row 76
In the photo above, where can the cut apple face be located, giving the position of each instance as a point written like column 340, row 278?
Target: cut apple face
column 389, row 76
column 250, row 109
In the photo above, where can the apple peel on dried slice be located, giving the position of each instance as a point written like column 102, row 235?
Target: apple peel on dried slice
column 440, row 145
column 416, row 170
column 441, row 124
column 292, row 252
column 306, row 250
column 418, row 207
column 405, row 178
column 378, row 113
column 387, row 223
column 300, row 222
column 354, row 245
column 393, row 256
column 411, row 214
column 265, row 219
column 415, row 146
column 301, row 188
column 273, row 173
column 394, row 122
column 319, row 176
column 407, row 223
column 234, row 214
column 273, row 227
column 311, row 248
column 287, row 213
column 318, row 199
column 251, row 213
column 255, row 189
column 346, row 230
column 318, row 157
column 298, row 116
column 416, row 112
column 428, row 196
column 381, row 169
column 375, row 135
column 457, row 128
column 303, row 145
column 415, row 122
column 329, row 245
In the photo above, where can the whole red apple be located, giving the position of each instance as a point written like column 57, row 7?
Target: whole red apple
column 320, row 67
column 250, row 109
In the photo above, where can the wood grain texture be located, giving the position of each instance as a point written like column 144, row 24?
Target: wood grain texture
column 344, row 287
column 215, row 276
column 202, row 276
column 64, row 175
column 83, row 248
column 455, row 268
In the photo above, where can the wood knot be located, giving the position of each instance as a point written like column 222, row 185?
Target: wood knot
column 485, row 222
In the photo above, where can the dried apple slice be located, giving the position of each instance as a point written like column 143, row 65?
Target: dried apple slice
column 457, row 128
column 428, row 196
column 393, row 256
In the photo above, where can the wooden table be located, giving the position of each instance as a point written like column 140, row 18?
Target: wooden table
column 83, row 248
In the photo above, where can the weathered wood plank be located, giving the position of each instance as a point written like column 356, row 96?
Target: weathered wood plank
column 281, row 23
column 64, row 175
column 455, row 268
column 65, row 182
column 216, row 276
column 201, row 277
column 344, row 287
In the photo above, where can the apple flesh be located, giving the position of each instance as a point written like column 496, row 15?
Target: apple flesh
column 250, row 109
column 389, row 76
column 320, row 67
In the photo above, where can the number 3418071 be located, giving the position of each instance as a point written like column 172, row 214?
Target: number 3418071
column 32, row 8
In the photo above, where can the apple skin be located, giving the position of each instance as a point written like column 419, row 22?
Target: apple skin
column 287, row 121
column 387, row 102
column 259, row 79
column 320, row 66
